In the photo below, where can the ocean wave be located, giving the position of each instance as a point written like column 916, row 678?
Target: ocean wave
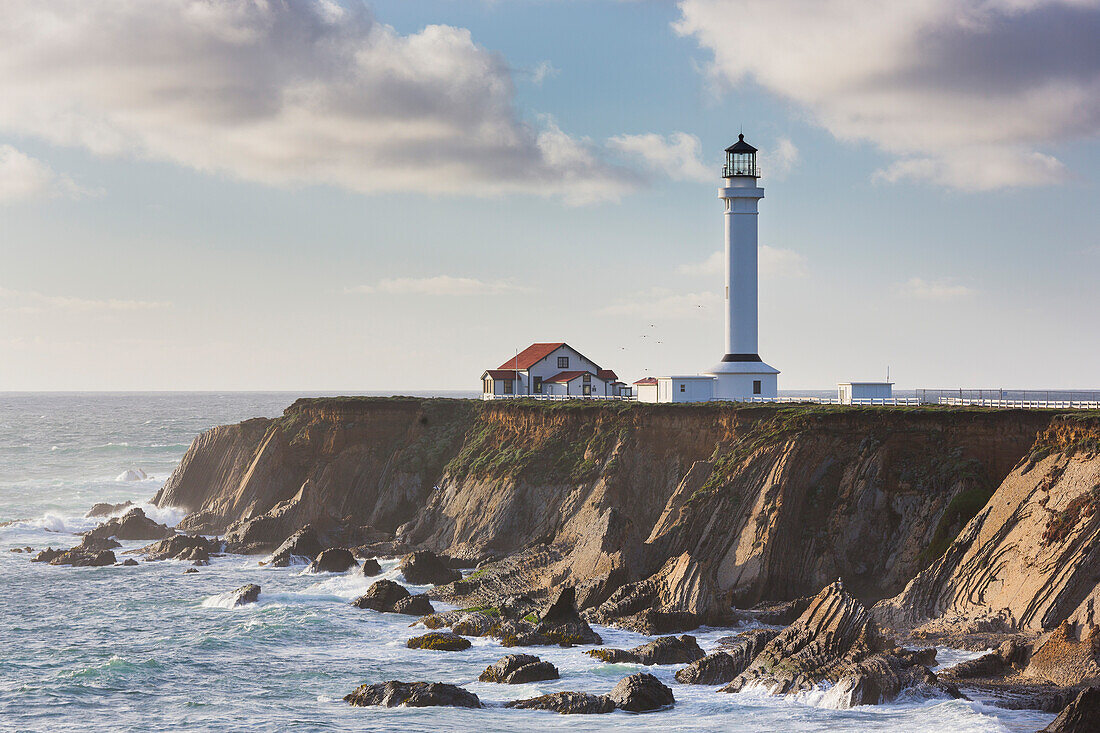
column 228, row 600
column 132, row 474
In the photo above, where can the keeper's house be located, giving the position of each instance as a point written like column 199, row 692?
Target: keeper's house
column 551, row 371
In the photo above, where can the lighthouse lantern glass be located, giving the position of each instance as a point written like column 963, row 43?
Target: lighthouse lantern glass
column 740, row 164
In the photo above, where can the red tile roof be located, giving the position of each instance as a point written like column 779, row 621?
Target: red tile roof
column 567, row 376
column 501, row 373
column 607, row 375
column 532, row 355
column 647, row 380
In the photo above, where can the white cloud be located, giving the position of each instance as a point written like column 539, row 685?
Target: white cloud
column 677, row 156
column 664, row 303
column 23, row 178
column 960, row 93
column 941, row 290
column 438, row 285
column 26, row 302
column 283, row 93
column 774, row 262
column 545, row 70
column 779, row 162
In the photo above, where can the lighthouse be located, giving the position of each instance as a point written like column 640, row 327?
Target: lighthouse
column 742, row 375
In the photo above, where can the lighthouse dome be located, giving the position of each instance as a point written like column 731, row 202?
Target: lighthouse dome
column 741, row 146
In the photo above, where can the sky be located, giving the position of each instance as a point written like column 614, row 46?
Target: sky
column 394, row 195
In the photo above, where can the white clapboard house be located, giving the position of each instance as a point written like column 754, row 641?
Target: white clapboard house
column 551, row 371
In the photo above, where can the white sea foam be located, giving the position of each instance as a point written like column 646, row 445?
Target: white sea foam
column 132, row 474
column 228, row 599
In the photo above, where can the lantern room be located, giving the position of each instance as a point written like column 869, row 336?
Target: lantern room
column 741, row 160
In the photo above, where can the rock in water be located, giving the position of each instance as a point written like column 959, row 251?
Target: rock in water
column 518, row 669
column 181, row 547
column 425, row 568
column 641, row 693
column 303, row 543
column 1080, row 716
column 726, row 663
column 47, row 555
column 133, row 525
column 440, row 641
column 418, row 605
column 132, row 474
column 666, row 650
column 246, row 594
column 834, row 642
column 104, row 509
column 383, row 595
column 191, row 571
column 85, row 558
column 566, row 703
column 370, row 567
column 129, row 562
column 333, row 560
column 413, row 695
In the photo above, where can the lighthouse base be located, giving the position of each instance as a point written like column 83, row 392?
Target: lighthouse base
column 742, row 381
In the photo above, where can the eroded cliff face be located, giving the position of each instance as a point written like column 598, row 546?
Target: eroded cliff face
column 1030, row 560
column 685, row 507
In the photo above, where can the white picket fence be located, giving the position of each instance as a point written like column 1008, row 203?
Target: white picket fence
column 885, row 401
column 556, row 397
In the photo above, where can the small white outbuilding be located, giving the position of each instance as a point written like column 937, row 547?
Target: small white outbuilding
column 645, row 389
column 855, row 393
column 685, row 388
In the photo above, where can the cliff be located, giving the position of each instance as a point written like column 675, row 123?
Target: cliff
column 681, row 507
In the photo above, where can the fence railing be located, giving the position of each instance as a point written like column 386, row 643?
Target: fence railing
column 1022, row 404
column 555, row 397
column 886, row 401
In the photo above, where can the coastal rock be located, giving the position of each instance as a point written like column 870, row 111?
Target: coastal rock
column 418, row 605
column 304, row 543
column 129, row 562
column 665, row 650
column 1067, row 655
column 678, row 597
column 561, row 624
column 370, row 567
column 517, row 669
column 133, row 525
column 245, row 594
column 426, row 568
column 96, row 544
column 180, row 547
column 1080, row 716
column 104, row 509
column 834, row 642
column 440, row 641
column 79, row 558
column 383, row 595
column 192, row 571
column 413, row 695
column 475, row 624
column 731, row 660
column 566, row 703
column 641, row 693
column 782, row 613
column 47, row 555
column 333, row 560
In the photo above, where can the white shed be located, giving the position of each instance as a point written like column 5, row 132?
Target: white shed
column 646, row 389
column 856, row 393
column 685, row 388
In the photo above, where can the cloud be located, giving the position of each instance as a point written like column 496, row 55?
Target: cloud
column 438, row 285
column 941, row 290
column 23, row 178
column 677, row 156
column 545, row 70
column 664, row 303
column 963, row 94
column 284, row 93
column 774, row 263
column 779, row 162
column 27, row 302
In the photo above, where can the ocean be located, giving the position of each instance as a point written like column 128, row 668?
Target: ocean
column 149, row 648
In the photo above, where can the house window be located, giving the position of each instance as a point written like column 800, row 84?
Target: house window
column 587, row 390
column 563, row 362
column 538, row 385
column 683, row 388
column 587, row 379
column 507, row 386
column 756, row 386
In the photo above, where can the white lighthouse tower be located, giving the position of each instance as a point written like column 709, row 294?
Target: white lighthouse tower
column 741, row 375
